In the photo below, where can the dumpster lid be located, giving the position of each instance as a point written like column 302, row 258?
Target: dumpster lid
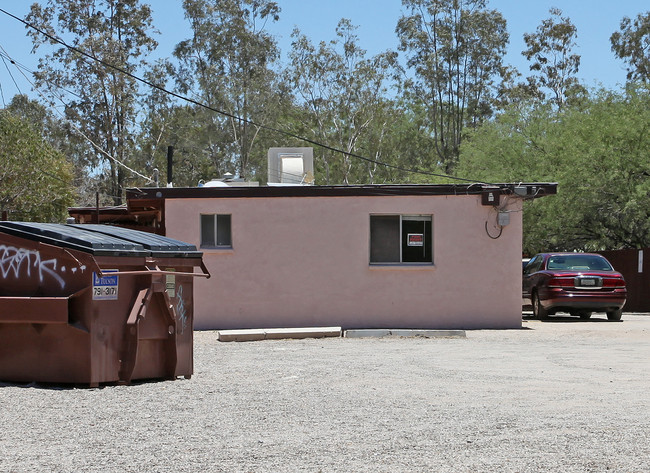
column 157, row 245
column 102, row 240
column 67, row 236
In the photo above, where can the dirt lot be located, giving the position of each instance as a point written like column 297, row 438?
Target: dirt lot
column 565, row 395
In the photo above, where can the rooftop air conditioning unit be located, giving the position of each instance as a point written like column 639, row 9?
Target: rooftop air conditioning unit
column 291, row 166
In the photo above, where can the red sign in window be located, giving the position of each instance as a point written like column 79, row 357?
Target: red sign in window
column 415, row 239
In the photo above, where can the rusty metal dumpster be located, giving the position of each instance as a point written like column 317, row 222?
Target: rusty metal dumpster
column 91, row 304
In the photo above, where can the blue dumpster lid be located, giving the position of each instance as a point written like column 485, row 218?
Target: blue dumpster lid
column 103, row 240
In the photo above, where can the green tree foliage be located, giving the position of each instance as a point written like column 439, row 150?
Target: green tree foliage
column 390, row 138
column 342, row 96
column 196, row 136
column 228, row 64
column 597, row 152
column 632, row 44
column 35, row 179
column 195, row 139
column 549, row 49
column 59, row 134
column 408, row 144
column 101, row 102
column 513, row 90
column 455, row 50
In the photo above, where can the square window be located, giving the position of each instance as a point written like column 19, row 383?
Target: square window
column 216, row 231
column 400, row 239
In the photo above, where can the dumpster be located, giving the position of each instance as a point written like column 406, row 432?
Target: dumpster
column 91, row 304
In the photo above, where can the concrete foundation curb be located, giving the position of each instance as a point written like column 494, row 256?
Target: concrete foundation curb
column 277, row 333
column 248, row 335
column 404, row 333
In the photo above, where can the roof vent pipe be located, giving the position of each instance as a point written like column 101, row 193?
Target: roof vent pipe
column 170, row 155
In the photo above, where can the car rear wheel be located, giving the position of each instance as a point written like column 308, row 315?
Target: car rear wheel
column 614, row 315
column 538, row 311
column 584, row 314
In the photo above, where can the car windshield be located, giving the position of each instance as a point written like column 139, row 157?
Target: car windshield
column 578, row 262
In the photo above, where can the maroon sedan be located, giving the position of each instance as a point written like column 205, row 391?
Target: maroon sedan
column 577, row 283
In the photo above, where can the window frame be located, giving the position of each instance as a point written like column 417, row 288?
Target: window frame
column 403, row 217
column 215, row 230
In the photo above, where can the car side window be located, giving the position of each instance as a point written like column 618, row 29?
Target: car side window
column 533, row 265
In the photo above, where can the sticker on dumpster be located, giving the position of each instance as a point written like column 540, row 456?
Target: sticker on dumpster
column 170, row 283
column 105, row 288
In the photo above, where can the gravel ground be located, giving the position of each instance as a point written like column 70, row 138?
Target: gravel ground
column 566, row 395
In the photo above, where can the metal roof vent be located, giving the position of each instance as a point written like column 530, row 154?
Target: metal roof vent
column 291, row 166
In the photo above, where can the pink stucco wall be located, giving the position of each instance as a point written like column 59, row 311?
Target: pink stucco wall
column 304, row 261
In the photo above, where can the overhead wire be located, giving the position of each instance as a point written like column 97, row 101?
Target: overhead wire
column 75, row 127
column 291, row 175
column 230, row 115
column 50, row 85
column 12, row 78
column 21, row 66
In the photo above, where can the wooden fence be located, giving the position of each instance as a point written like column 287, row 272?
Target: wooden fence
column 635, row 267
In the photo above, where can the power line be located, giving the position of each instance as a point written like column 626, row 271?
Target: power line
column 10, row 75
column 22, row 67
column 2, row 95
column 226, row 114
column 76, row 128
column 50, row 85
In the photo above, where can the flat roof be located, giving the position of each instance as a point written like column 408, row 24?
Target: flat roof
column 524, row 190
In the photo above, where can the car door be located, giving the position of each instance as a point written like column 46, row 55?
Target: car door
column 528, row 278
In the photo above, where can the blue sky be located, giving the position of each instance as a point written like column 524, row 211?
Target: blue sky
column 596, row 20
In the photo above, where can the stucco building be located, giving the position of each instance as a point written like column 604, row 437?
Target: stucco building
column 380, row 256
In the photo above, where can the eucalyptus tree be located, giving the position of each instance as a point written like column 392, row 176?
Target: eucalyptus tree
column 455, row 53
column 100, row 100
column 343, row 94
column 554, row 65
column 228, row 64
column 632, row 44
column 197, row 138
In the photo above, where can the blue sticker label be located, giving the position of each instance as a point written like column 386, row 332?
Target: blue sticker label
column 105, row 287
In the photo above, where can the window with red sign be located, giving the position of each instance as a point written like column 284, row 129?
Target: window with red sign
column 400, row 239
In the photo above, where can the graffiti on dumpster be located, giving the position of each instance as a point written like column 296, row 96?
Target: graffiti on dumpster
column 181, row 310
column 19, row 262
